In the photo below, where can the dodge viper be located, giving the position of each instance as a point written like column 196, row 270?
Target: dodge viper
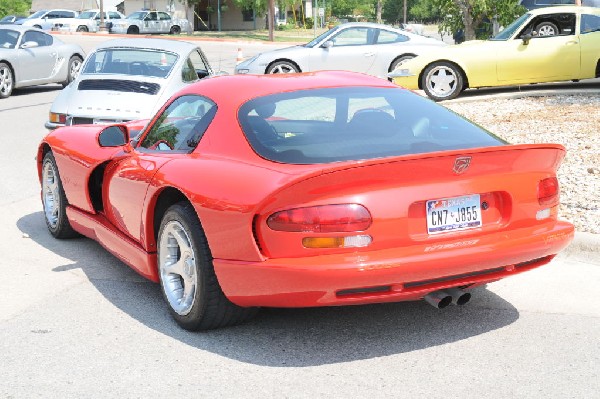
column 544, row 45
column 302, row 190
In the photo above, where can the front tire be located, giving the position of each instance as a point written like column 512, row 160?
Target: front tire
column 54, row 200
column 175, row 30
column 283, row 67
column 546, row 28
column 82, row 29
column 7, row 80
column 73, row 70
column 133, row 30
column 187, row 277
column 442, row 81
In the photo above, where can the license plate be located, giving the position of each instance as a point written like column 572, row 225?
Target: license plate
column 453, row 214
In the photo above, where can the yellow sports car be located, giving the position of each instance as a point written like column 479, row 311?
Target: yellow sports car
column 544, row 45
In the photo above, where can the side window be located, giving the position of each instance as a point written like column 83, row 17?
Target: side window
column 181, row 125
column 202, row 70
column 385, row 36
column 590, row 23
column 40, row 38
column 114, row 15
column 352, row 37
column 547, row 25
column 163, row 16
column 151, row 16
column 188, row 72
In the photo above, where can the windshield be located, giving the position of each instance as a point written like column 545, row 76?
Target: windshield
column 354, row 123
column 87, row 15
column 7, row 18
column 510, row 30
column 131, row 62
column 137, row 15
column 319, row 38
column 37, row 14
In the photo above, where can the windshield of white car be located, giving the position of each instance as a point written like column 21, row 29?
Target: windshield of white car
column 319, row 38
column 87, row 15
column 8, row 38
column 354, row 123
column 135, row 62
column 37, row 14
column 509, row 31
column 137, row 15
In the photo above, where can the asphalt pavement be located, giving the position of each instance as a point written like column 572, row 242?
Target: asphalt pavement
column 76, row 322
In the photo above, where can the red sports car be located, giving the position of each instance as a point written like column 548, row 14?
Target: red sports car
column 328, row 188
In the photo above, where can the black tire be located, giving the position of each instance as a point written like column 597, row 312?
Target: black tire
column 54, row 200
column 82, row 29
column 185, row 263
column 546, row 28
column 72, row 69
column 175, row 30
column 442, row 81
column 283, row 67
column 7, row 80
column 133, row 30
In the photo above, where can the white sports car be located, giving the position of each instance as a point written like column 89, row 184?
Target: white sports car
column 128, row 79
column 369, row 48
column 30, row 57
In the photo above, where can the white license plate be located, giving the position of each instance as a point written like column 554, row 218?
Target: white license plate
column 452, row 214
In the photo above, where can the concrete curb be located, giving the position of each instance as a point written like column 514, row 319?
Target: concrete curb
column 585, row 247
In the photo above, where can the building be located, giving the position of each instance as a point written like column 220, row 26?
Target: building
column 205, row 15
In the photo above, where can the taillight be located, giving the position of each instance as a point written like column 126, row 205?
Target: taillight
column 58, row 118
column 548, row 191
column 322, row 219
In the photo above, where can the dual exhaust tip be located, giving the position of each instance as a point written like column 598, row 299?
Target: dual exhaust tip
column 441, row 299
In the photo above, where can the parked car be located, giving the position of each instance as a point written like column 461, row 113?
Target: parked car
column 128, row 79
column 30, row 57
column 533, row 4
column 317, row 189
column 360, row 47
column 87, row 21
column 150, row 22
column 544, row 45
column 11, row 19
column 44, row 19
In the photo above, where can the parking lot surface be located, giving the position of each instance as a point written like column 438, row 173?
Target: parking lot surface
column 76, row 322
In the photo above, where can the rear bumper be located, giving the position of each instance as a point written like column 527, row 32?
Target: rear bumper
column 399, row 274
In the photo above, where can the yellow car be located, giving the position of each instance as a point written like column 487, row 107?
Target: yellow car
column 544, row 45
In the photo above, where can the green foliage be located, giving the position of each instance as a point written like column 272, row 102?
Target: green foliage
column 14, row 7
column 259, row 6
column 417, row 10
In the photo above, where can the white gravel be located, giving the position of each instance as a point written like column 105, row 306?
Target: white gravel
column 570, row 120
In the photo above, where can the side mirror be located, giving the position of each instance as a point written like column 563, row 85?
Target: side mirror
column 29, row 45
column 114, row 136
column 327, row 44
column 526, row 38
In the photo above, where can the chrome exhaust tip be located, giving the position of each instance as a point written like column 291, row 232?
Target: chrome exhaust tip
column 438, row 299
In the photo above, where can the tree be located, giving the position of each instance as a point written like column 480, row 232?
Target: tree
column 14, row 7
column 475, row 16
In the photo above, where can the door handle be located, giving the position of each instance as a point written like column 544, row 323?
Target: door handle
column 369, row 54
column 571, row 42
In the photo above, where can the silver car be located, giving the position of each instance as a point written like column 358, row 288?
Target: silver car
column 150, row 22
column 128, row 79
column 44, row 19
column 87, row 21
column 369, row 48
column 30, row 57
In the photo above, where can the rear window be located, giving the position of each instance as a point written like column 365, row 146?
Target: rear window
column 354, row 123
column 131, row 62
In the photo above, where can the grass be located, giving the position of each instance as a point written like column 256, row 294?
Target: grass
column 292, row 35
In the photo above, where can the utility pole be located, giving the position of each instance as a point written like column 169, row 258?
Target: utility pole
column 271, row 22
column 404, row 10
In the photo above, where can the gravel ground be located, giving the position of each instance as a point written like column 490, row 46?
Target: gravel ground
column 570, row 120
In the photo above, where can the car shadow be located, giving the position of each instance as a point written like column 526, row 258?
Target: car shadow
column 23, row 91
column 539, row 89
column 283, row 337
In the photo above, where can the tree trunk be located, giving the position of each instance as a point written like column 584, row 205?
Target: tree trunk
column 466, row 12
column 378, row 9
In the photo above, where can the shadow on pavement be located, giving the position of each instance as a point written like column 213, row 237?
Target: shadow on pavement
column 283, row 337
column 538, row 89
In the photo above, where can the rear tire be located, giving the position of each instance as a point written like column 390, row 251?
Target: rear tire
column 82, row 29
column 546, row 28
column 54, row 200
column 133, row 30
column 175, row 30
column 7, row 80
column 442, row 81
column 73, row 70
column 187, row 277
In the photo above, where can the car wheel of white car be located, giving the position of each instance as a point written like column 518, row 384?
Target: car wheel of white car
column 187, row 277
column 74, row 67
column 283, row 67
column 6, row 80
column 175, row 30
column 82, row 29
column 54, row 200
column 546, row 28
column 133, row 30
column 442, row 81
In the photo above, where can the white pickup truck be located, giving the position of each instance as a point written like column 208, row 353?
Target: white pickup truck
column 150, row 22
column 87, row 21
